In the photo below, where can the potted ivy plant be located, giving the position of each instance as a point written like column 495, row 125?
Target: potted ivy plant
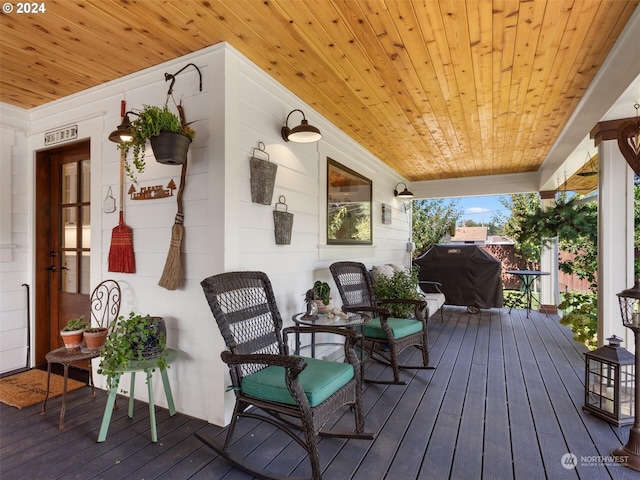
column 72, row 333
column 169, row 139
column 136, row 337
column 323, row 292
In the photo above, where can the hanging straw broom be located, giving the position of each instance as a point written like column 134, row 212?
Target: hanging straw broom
column 121, row 256
column 172, row 274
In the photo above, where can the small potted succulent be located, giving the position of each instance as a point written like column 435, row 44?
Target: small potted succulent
column 73, row 332
column 323, row 291
column 136, row 337
column 169, row 139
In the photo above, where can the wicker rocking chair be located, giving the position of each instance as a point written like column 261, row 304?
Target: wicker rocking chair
column 385, row 337
column 293, row 393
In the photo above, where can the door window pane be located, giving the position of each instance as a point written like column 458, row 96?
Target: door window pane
column 69, row 227
column 86, row 227
column 69, row 183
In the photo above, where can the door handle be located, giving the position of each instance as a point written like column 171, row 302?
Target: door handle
column 52, row 268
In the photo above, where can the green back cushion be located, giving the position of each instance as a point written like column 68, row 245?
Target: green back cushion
column 319, row 380
column 401, row 327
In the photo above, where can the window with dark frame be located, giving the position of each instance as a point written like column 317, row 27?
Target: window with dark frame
column 348, row 206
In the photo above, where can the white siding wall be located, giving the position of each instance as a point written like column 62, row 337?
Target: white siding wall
column 240, row 106
column 14, row 241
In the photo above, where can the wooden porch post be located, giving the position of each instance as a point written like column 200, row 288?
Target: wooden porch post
column 549, row 294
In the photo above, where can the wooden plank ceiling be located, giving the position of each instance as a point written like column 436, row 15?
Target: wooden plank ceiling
column 436, row 89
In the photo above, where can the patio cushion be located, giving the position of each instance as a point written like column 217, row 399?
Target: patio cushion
column 434, row 301
column 401, row 327
column 319, row 380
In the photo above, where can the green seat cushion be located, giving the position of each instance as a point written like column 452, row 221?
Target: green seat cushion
column 319, row 380
column 401, row 327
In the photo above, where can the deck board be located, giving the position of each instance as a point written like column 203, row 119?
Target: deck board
column 504, row 401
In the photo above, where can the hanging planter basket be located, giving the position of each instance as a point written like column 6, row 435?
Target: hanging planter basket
column 263, row 177
column 170, row 148
column 283, row 221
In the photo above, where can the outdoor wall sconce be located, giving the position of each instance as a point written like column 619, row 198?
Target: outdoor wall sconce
column 404, row 193
column 123, row 132
column 629, row 299
column 303, row 133
column 609, row 380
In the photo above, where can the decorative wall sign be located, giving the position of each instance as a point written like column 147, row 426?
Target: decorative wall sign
column 61, row 135
column 152, row 193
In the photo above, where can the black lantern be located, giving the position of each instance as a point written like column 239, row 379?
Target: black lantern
column 629, row 454
column 609, row 383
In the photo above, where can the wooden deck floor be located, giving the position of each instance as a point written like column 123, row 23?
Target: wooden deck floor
column 504, row 402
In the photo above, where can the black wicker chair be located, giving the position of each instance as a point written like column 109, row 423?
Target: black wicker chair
column 385, row 337
column 287, row 389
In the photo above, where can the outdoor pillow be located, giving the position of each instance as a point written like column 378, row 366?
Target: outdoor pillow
column 319, row 380
column 378, row 270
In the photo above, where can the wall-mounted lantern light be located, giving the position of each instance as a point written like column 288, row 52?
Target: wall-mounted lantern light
column 404, row 193
column 303, row 133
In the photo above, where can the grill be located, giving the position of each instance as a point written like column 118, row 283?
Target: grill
column 469, row 275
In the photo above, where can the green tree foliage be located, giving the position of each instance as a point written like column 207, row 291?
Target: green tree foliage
column 522, row 207
column 432, row 219
column 573, row 222
column 494, row 226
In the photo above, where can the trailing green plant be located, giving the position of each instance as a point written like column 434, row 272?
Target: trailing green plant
column 150, row 122
column 75, row 324
column 580, row 313
column 323, row 291
column 401, row 285
column 125, row 343
column 574, row 223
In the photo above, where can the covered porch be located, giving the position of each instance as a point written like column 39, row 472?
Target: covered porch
column 505, row 401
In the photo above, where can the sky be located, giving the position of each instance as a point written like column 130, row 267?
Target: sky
column 482, row 209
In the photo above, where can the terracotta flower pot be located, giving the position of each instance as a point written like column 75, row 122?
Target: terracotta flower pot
column 72, row 339
column 95, row 340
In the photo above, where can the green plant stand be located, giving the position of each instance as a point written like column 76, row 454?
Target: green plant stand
column 147, row 366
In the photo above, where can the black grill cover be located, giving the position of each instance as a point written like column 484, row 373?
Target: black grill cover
column 469, row 275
